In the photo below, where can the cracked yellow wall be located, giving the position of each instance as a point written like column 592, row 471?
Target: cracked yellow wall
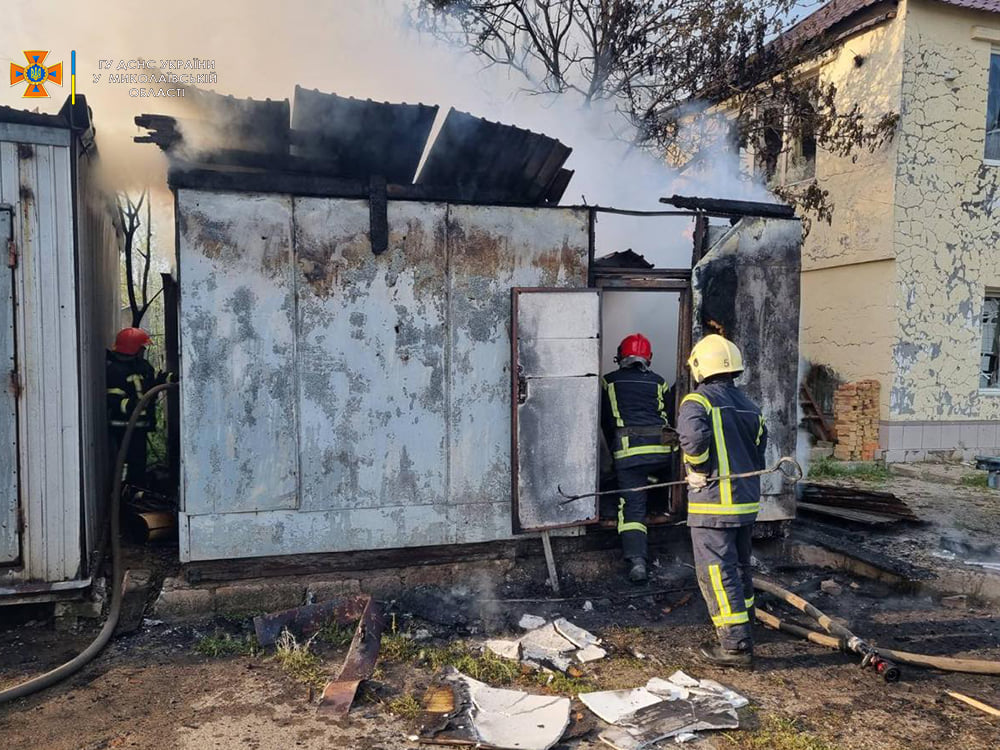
column 848, row 280
column 846, row 323
column 947, row 217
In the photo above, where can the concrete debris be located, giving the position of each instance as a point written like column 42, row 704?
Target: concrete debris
column 959, row 601
column 464, row 711
column 677, row 707
column 588, row 606
column 531, row 622
column 831, row 587
column 987, row 565
column 552, row 645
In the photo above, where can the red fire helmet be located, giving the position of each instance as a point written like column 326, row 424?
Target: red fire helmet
column 635, row 345
column 130, row 340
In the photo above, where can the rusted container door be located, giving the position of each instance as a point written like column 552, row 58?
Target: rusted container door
column 746, row 287
column 9, row 511
column 556, row 392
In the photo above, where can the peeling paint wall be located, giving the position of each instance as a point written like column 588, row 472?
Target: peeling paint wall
column 337, row 400
column 947, row 214
column 848, row 311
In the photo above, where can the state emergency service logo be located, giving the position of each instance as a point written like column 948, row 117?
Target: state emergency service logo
column 36, row 74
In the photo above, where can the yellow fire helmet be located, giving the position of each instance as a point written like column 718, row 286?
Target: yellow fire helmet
column 714, row 355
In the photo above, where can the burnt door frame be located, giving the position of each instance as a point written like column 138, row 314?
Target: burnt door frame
column 677, row 280
column 517, row 384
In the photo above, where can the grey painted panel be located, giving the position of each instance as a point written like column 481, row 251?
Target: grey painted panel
column 551, row 358
column 371, row 358
column 283, row 532
column 492, row 249
column 10, row 548
column 748, row 283
column 557, row 429
column 238, row 406
column 17, row 133
column 558, row 316
column 36, row 180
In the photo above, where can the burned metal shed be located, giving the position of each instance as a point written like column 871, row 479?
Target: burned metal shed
column 369, row 364
column 58, row 307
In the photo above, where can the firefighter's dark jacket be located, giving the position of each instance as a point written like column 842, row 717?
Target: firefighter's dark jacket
column 128, row 378
column 636, row 405
column 722, row 432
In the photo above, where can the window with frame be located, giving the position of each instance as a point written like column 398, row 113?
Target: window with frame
column 989, row 368
column 993, row 110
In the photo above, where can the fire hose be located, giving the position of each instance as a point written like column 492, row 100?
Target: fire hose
column 794, row 476
column 119, row 577
column 882, row 660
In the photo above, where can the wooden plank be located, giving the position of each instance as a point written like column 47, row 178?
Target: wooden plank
column 873, row 519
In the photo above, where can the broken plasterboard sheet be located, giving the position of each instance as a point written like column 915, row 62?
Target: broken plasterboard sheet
column 575, row 634
column 490, row 717
column 614, row 705
column 590, row 653
column 504, row 648
column 531, row 622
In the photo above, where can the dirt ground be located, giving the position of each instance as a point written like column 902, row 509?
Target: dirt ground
column 158, row 688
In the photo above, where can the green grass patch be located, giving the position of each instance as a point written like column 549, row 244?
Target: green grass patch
column 397, row 647
column 976, row 481
column 778, row 733
column 224, row 644
column 336, row 634
column 404, row 706
column 298, row 659
column 831, row 468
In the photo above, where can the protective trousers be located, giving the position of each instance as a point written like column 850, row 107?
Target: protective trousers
column 722, row 566
column 632, row 507
column 135, row 456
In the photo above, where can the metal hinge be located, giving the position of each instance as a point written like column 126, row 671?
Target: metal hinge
column 11, row 254
column 15, row 383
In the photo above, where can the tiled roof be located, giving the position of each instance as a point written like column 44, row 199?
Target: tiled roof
column 990, row 6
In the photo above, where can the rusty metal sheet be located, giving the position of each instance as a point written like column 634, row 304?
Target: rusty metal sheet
column 308, row 619
column 558, row 408
column 371, row 359
column 338, row 695
column 364, row 137
column 238, row 400
column 747, row 288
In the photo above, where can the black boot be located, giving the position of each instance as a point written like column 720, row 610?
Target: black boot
column 715, row 654
column 637, row 572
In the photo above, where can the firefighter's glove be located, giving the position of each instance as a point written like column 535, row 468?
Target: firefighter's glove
column 696, row 481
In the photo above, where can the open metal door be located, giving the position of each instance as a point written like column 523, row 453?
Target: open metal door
column 9, row 495
column 556, row 405
column 746, row 288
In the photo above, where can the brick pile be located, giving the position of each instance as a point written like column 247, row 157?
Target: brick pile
column 856, row 420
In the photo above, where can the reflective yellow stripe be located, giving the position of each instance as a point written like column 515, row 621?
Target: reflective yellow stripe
column 630, row 525
column 641, row 450
column 136, row 381
column 748, row 602
column 725, row 485
column 660, row 390
column 699, row 459
column 709, row 509
column 610, row 388
column 760, row 430
column 124, row 405
column 735, row 619
column 116, row 392
column 715, row 576
column 698, row 399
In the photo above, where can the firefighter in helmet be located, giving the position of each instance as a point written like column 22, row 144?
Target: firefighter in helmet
column 722, row 432
column 129, row 376
column 637, row 406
